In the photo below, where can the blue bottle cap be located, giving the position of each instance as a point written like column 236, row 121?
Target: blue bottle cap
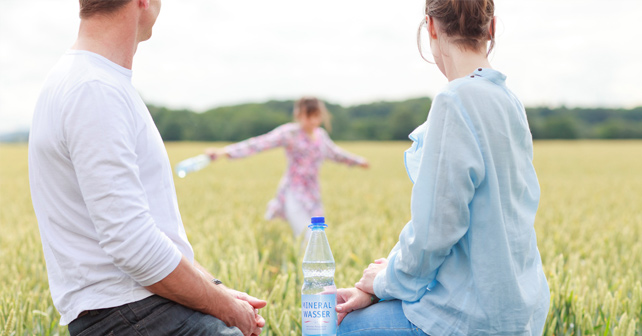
column 318, row 222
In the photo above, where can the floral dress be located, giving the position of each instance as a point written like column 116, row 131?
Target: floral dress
column 305, row 154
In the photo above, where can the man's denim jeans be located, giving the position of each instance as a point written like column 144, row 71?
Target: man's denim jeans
column 153, row 316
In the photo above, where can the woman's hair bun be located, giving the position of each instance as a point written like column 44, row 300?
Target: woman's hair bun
column 468, row 21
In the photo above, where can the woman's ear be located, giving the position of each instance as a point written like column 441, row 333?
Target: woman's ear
column 432, row 31
column 492, row 28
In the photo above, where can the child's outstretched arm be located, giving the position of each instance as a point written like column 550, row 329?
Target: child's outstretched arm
column 215, row 152
column 335, row 153
column 275, row 138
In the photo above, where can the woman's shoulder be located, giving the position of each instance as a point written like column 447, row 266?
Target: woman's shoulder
column 480, row 78
column 483, row 85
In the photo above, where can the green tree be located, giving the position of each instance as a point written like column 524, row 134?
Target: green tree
column 560, row 127
column 620, row 129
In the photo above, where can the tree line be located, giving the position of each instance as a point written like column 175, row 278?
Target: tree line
column 383, row 121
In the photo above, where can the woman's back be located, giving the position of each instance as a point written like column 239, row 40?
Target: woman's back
column 490, row 280
column 467, row 263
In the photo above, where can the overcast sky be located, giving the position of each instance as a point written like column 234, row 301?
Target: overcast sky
column 208, row 53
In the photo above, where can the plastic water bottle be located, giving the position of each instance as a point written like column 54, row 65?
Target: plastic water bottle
column 319, row 294
column 192, row 164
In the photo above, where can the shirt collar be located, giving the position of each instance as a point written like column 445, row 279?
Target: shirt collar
column 490, row 74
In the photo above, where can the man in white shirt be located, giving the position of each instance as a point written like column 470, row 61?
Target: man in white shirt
column 117, row 255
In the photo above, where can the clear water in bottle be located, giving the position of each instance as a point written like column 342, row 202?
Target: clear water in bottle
column 192, row 164
column 319, row 293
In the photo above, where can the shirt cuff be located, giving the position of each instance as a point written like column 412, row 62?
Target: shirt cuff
column 379, row 286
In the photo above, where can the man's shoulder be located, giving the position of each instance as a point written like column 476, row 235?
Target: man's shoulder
column 76, row 70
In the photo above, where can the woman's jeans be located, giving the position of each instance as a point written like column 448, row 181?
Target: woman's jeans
column 153, row 316
column 381, row 319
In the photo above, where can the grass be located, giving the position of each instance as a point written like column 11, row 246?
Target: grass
column 589, row 226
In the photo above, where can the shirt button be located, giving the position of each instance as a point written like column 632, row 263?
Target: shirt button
column 472, row 76
column 480, row 69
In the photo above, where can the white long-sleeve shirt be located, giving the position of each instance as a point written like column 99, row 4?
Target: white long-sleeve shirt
column 102, row 188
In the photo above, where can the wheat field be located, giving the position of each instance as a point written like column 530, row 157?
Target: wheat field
column 589, row 226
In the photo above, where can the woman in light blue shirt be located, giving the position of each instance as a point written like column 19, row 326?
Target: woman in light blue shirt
column 467, row 263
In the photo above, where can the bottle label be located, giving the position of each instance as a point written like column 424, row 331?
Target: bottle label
column 318, row 315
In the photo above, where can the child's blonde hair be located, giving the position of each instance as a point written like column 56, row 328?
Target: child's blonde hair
column 312, row 106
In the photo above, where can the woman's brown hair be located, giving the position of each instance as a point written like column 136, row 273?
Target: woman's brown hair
column 91, row 7
column 469, row 22
column 312, row 106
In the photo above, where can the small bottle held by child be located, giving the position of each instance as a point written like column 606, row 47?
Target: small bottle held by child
column 192, row 164
column 319, row 293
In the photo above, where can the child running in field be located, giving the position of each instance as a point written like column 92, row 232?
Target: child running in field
column 307, row 145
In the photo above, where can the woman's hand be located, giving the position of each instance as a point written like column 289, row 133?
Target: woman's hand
column 351, row 299
column 364, row 165
column 366, row 283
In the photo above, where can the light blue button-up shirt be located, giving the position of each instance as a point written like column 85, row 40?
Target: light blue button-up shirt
column 467, row 263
